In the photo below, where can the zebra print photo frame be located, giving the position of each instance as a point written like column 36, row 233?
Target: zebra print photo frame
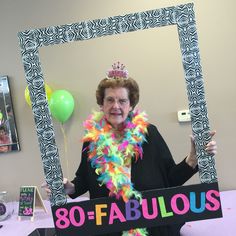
column 181, row 16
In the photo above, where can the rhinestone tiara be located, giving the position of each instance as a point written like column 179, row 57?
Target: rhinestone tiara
column 117, row 71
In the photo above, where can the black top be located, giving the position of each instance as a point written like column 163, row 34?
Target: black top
column 155, row 170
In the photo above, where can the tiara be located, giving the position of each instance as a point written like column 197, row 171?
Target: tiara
column 117, row 71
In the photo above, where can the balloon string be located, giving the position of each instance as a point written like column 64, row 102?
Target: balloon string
column 65, row 148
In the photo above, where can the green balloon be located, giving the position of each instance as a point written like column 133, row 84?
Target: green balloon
column 61, row 105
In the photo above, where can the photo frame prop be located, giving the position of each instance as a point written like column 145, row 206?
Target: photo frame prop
column 181, row 16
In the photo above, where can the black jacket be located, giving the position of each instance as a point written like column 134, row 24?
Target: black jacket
column 156, row 169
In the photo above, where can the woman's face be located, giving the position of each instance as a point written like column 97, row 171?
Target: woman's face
column 116, row 106
column 2, row 133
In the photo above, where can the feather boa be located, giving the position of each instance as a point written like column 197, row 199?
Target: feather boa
column 111, row 158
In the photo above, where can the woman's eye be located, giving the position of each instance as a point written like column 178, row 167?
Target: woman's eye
column 110, row 100
column 123, row 101
column 120, row 101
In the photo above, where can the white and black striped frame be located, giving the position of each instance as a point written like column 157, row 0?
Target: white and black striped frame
column 182, row 16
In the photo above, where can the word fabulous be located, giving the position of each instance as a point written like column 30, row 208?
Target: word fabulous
column 158, row 207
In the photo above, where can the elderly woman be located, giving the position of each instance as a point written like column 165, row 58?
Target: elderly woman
column 123, row 154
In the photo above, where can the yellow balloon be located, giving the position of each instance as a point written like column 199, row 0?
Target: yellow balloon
column 48, row 91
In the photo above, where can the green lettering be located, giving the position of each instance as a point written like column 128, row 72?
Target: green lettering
column 162, row 205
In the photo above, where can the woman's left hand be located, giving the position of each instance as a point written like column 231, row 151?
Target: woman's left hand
column 210, row 148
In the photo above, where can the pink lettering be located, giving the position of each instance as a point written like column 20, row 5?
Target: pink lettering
column 146, row 214
column 185, row 203
column 115, row 213
column 215, row 202
column 81, row 216
column 62, row 221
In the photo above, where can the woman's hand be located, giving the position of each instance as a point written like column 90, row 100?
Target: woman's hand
column 68, row 186
column 210, row 148
column 46, row 188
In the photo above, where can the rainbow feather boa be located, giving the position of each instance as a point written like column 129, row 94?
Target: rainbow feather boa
column 111, row 158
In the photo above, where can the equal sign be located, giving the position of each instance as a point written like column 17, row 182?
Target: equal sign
column 90, row 215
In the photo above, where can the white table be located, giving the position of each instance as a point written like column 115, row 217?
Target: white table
column 225, row 226
column 14, row 227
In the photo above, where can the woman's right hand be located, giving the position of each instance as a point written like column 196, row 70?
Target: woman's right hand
column 68, row 186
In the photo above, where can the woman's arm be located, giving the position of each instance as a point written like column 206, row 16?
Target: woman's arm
column 177, row 174
column 80, row 181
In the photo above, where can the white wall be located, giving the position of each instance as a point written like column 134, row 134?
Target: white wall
column 152, row 58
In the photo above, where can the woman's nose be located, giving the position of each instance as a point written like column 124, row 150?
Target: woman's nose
column 116, row 104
